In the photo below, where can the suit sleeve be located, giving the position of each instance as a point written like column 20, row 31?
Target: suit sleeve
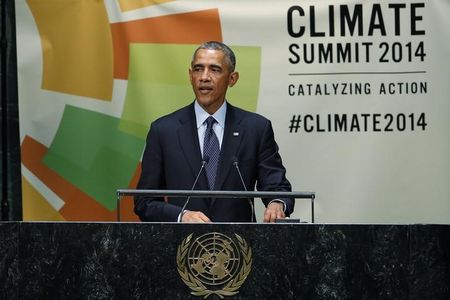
column 154, row 209
column 271, row 172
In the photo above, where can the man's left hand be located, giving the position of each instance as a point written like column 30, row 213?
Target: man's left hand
column 274, row 211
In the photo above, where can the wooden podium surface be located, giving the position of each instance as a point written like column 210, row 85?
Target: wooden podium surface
column 233, row 261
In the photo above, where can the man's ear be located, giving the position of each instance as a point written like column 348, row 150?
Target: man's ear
column 234, row 76
column 190, row 75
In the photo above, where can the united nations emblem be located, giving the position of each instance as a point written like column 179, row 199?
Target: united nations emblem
column 214, row 264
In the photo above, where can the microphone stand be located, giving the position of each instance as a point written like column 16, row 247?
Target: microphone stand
column 204, row 162
column 235, row 163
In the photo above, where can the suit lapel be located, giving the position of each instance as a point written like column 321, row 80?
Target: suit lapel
column 232, row 138
column 187, row 135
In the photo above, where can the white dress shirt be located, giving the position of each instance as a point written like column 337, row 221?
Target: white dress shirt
column 201, row 115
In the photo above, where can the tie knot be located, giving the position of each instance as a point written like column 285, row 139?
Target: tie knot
column 210, row 122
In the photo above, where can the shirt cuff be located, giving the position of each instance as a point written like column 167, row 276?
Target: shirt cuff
column 180, row 216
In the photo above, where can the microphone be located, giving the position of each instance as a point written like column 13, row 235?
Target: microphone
column 204, row 162
column 236, row 164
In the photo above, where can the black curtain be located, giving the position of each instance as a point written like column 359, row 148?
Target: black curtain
column 10, row 184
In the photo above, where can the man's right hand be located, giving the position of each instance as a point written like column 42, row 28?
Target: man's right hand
column 194, row 217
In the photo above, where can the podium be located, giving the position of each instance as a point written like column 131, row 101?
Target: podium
column 278, row 261
column 214, row 194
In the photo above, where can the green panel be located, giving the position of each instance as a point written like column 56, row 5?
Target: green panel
column 248, row 63
column 92, row 154
column 158, row 83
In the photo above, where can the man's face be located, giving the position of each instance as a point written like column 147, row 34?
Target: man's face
column 210, row 78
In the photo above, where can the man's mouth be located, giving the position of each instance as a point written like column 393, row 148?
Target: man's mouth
column 205, row 89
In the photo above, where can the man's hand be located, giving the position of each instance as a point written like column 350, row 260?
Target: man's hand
column 274, row 211
column 194, row 217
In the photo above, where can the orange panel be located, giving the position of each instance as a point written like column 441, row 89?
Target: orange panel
column 76, row 47
column 35, row 207
column 126, row 5
column 185, row 28
column 127, row 204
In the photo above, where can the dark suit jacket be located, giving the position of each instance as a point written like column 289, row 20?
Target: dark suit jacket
column 172, row 160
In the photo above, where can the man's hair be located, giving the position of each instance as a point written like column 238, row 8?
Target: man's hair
column 213, row 45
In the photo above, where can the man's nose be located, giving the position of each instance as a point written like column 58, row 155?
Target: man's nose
column 205, row 76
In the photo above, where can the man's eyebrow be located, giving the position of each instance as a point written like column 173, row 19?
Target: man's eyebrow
column 211, row 66
column 216, row 66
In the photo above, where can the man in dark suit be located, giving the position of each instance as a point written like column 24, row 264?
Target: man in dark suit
column 212, row 132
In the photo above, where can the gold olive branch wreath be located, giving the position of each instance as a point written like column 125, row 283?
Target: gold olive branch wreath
column 197, row 287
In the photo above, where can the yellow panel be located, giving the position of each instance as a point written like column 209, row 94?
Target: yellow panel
column 76, row 45
column 126, row 5
column 35, row 207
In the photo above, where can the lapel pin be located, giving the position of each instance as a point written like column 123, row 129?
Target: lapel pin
column 235, row 133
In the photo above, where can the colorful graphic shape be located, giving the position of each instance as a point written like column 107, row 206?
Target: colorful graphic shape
column 78, row 206
column 159, row 83
column 89, row 152
column 93, row 154
column 35, row 206
column 248, row 63
column 76, row 47
column 126, row 5
column 184, row 28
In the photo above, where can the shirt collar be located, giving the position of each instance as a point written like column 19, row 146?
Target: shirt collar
column 201, row 115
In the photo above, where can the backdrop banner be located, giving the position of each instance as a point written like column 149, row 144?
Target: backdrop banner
column 357, row 91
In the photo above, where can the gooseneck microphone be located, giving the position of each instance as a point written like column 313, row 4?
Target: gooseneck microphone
column 204, row 162
column 236, row 164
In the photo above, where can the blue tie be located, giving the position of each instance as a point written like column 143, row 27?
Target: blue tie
column 212, row 151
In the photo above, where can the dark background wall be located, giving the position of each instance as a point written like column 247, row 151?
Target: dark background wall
column 10, row 183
